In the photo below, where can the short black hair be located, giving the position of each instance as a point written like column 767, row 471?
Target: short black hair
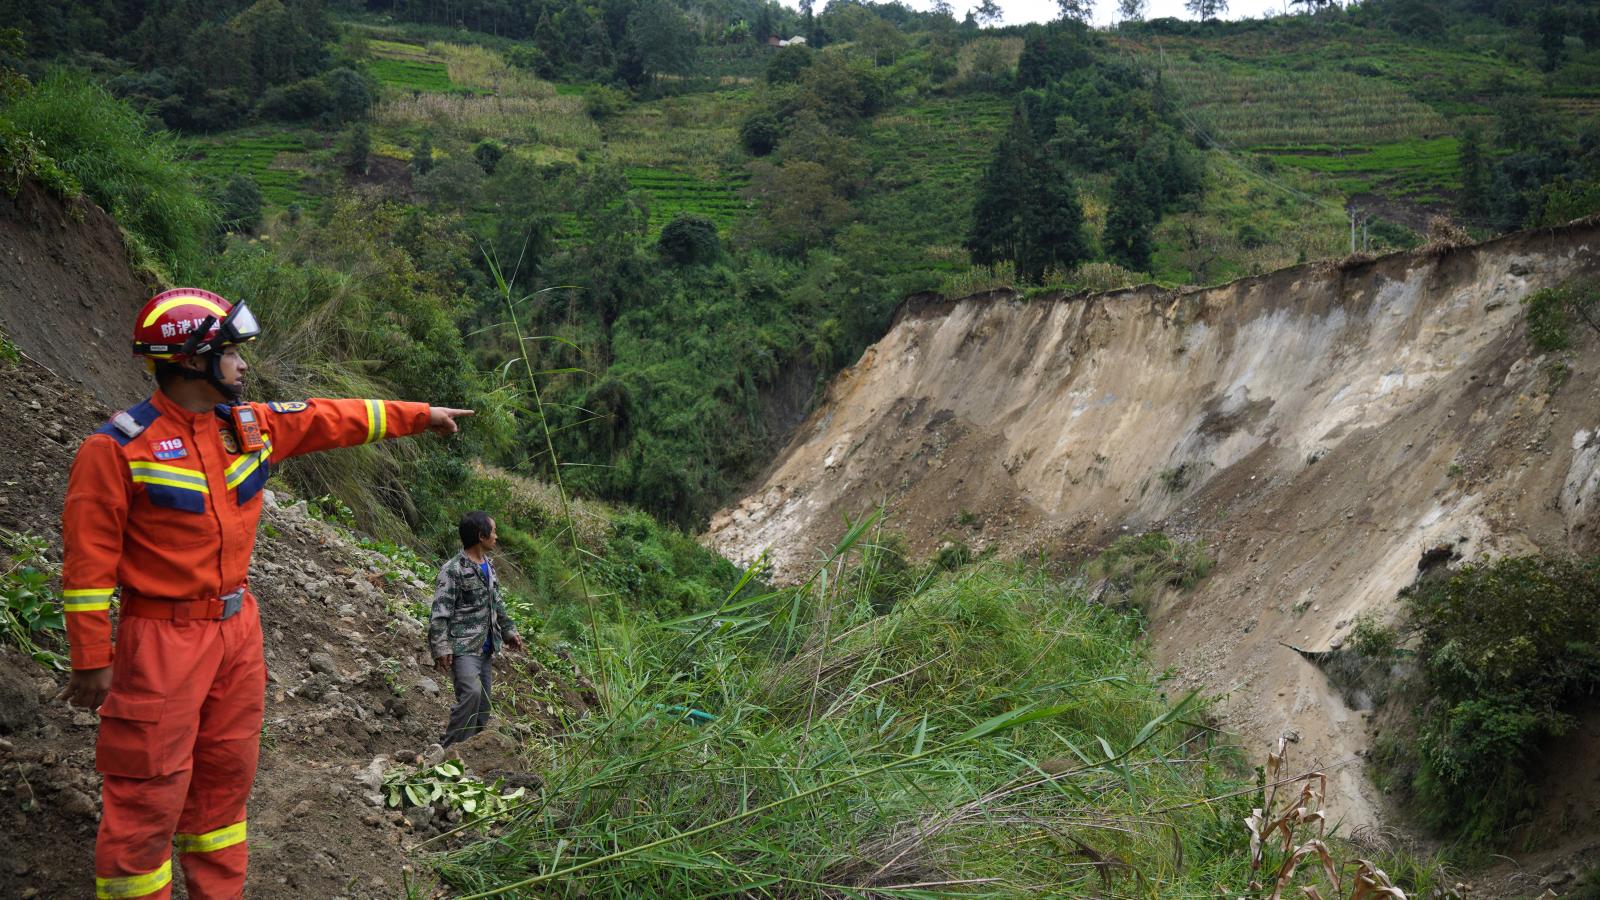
column 474, row 527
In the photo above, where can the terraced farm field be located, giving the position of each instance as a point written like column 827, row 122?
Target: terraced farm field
column 678, row 193
column 410, row 67
column 1417, row 169
column 1245, row 106
column 278, row 162
column 926, row 162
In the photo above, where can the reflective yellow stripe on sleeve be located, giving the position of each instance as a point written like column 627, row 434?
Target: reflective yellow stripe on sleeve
column 226, row 836
column 134, row 885
column 242, row 467
column 86, row 599
column 377, row 420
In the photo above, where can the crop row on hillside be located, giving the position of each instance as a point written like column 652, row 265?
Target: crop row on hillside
column 1246, row 106
column 675, row 193
column 277, row 162
column 553, row 120
column 926, row 161
column 1420, row 169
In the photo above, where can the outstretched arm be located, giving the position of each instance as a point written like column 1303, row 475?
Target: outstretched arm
column 318, row 424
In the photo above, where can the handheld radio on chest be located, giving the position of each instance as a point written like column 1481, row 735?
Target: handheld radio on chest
column 247, row 429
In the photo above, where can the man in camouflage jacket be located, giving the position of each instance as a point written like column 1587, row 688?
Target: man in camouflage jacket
column 469, row 624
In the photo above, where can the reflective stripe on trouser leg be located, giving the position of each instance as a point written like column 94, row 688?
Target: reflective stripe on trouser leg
column 147, row 727
column 136, row 885
column 212, row 843
column 133, row 853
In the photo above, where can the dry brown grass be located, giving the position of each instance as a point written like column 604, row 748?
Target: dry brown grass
column 486, row 70
column 549, row 119
column 590, row 519
column 1291, row 829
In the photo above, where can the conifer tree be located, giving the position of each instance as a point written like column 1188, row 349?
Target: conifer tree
column 994, row 216
column 1474, row 174
column 1050, row 221
column 1130, row 221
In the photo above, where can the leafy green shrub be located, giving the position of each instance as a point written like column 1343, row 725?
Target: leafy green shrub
column 690, row 240
column 603, row 102
column 240, row 205
column 787, row 65
column 1371, row 638
column 760, row 132
column 952, row 555
column 305, row 99
column 447, row 784
column 23, row 157
column 1552, row 312
column 1508, row 651
column 1139, row 567
column 488, row 153
column 1392, row 234
column 30, row 618
column 132, row 172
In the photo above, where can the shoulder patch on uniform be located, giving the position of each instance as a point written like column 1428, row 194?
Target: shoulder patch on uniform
column 290, row 407
column 130, row 423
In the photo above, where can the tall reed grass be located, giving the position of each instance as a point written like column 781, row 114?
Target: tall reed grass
column 994, row 733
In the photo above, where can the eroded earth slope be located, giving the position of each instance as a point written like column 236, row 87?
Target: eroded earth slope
column 1320, row 428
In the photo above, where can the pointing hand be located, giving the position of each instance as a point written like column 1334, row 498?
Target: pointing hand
column 442, row 419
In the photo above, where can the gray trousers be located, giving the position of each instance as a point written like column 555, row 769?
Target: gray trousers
column 473, row 677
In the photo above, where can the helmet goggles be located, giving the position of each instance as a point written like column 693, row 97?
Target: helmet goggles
column 238, row 327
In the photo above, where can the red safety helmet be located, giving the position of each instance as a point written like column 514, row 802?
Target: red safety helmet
column 188, row 322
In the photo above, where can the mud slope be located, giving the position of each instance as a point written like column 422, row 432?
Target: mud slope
column 67, row 295
column 1319, row 428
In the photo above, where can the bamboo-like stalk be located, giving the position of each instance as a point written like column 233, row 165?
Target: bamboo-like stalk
column 570, row 524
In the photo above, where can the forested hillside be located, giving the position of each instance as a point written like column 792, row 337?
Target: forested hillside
column 715, row 223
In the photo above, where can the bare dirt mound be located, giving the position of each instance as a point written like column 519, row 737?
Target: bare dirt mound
column 1319, row 427
column 67, row 295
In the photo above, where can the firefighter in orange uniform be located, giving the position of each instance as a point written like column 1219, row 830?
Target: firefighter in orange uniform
column 163, row 503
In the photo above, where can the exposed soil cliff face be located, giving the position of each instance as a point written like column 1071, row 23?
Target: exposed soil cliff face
column 67, row 295
column 1319, row 428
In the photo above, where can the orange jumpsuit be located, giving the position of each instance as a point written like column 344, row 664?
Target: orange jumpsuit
column 168, row 514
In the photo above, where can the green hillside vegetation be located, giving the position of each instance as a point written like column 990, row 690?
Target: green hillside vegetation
column 845, row 175
column 990, row 732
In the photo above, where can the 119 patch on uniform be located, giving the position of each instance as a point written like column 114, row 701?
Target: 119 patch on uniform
column 291, row 407
column 171, row 448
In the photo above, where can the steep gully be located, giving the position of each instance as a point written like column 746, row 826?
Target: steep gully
column 1320, row 428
